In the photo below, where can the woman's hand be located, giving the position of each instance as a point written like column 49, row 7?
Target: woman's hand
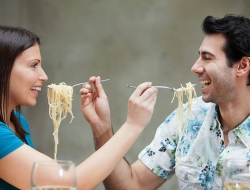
column 141, row 105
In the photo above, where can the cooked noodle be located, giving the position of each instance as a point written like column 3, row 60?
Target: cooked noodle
column 60, row 103
column 190, row 93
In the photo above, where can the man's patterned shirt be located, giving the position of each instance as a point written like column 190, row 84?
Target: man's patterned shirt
column 195, row 153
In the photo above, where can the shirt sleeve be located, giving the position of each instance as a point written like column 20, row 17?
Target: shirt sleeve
column 159, row 155
column 8, row 140
column 25, row 126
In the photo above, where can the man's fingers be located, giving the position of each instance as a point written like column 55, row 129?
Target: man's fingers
column 85, row 90
column 99, row 88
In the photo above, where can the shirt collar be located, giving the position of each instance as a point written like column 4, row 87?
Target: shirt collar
column 243, row 132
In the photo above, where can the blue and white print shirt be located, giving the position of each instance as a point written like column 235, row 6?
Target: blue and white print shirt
column 196, row 153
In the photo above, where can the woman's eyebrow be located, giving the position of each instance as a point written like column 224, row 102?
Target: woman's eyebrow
column 35, row 60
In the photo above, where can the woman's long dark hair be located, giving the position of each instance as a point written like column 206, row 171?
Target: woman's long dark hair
column 13, row 41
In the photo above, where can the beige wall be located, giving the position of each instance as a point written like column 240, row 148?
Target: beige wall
column 130, row 41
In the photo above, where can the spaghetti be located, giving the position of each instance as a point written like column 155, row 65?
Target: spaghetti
column 60, row 103
column 190, row 93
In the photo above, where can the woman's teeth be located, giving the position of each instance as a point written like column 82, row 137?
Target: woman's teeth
column 36, row 88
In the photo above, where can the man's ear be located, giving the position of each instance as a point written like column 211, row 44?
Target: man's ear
column 243, row 66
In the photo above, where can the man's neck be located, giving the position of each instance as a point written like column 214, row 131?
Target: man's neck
column 233, row 114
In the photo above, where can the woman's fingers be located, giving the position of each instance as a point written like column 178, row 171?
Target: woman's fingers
column 149, row 97
column 143, row 92
column 140, row 89
column 141, row 104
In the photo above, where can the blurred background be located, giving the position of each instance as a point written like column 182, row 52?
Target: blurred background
column 130, row 41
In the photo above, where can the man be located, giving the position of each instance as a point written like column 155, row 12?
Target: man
column 218, row 124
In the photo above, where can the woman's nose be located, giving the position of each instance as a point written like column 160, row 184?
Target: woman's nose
column 43, row 77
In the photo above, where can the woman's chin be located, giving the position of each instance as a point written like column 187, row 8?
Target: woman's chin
column 30, row 104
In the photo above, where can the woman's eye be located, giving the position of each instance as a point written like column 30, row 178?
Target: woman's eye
column 34, row 65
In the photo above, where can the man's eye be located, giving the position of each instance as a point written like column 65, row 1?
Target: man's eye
column 207, row 58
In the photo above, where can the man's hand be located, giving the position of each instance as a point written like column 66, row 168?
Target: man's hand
column 95, row 106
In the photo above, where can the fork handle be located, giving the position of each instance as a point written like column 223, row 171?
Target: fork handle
column 88, row 82
column 154, row 87
column 163, row 87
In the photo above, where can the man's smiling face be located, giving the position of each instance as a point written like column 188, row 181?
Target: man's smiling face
column 217, row 79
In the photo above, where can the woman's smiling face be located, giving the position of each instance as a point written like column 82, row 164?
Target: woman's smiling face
column 26, row 78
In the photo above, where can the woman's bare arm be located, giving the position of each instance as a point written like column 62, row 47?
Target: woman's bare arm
column 15, row 168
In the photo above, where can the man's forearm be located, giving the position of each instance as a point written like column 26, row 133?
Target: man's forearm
column 121, row 178
column 116, row 180
column 101, row 139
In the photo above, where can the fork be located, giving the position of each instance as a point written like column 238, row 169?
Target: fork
column 166, row 87
column 89, row 82
column 86, row 82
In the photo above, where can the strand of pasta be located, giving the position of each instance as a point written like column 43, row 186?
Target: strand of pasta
column 190, row 93
column 60, row 103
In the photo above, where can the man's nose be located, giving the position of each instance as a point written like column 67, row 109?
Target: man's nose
column 197, row 67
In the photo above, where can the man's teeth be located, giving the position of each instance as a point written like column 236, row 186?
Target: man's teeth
column 36, row 88
column 205, row 82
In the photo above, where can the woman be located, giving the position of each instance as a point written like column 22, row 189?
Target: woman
column 21, row 79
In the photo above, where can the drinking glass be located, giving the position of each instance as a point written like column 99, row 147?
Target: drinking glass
column 236, row 174
column 53, row 175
